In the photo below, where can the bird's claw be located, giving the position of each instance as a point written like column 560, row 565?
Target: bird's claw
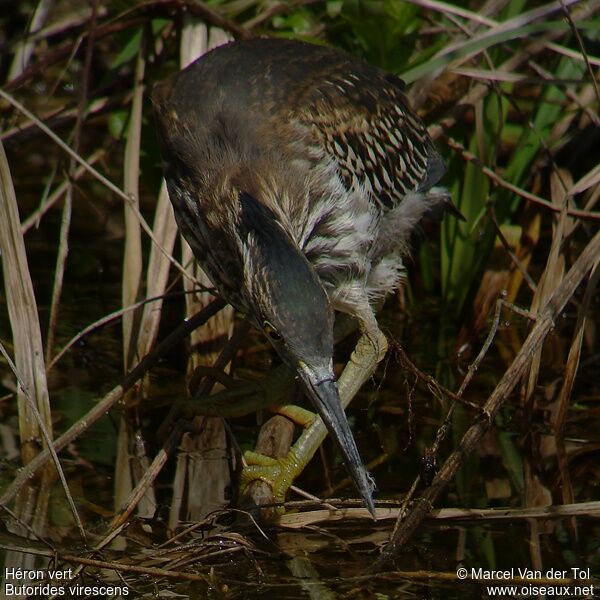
column 277, row 473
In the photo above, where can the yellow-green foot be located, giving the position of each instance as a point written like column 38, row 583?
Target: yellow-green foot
column 279, row 473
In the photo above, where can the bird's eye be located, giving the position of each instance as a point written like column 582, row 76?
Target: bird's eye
column 271, row 332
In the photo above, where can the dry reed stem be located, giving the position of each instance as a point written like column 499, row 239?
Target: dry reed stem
column 23, row 52
column 127, row 19
column 23, row 316
column 202, row 471
column 62, row 24
column 165, row 231
column 38, row 417
column 501, row 182
column 577, row 36
column 559, row 415
column 574, row 355
column 83, row 424
column 201, row 11
column 590, row 180
column 61, row 115
column 131, row 460
column 144, row 484
column 59, row 270
column 308, row 516
column 582, row 11
column 113, row 316
column 494, row 25
column 535, row 492
column 551, row 276
column 33, row 405
column 458, row 396
column 132, row 252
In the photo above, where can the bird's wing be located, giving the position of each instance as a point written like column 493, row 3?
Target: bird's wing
column 362, row 120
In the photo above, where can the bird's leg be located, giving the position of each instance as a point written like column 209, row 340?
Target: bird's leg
column 280, row 473
column 368, row 353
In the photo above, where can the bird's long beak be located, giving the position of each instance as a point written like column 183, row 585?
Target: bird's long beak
column 326, row 399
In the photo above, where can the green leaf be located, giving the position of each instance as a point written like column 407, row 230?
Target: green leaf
column 129, row 51
column 477, row 44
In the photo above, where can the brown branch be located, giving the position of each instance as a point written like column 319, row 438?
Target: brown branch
column 204, row 12
column 544, row 325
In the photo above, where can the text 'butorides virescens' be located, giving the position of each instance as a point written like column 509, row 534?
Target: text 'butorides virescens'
column 297, row 174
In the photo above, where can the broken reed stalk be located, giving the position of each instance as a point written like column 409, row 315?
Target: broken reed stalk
column 534, row 493
column 544, row 325
column 132, row 252
column 131, row 460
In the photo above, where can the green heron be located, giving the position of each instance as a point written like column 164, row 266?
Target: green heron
column 297, row 174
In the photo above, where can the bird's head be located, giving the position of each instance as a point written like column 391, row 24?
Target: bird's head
column 286, row 298
column 287, row 301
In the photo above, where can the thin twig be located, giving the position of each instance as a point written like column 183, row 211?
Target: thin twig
column 113, row 316
column 474, row 366
column 34, row 219
column 513, row 256
column 44, row 432
column 470, row 157
column 65, row 223
column 577, row 36
column 143, row 485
